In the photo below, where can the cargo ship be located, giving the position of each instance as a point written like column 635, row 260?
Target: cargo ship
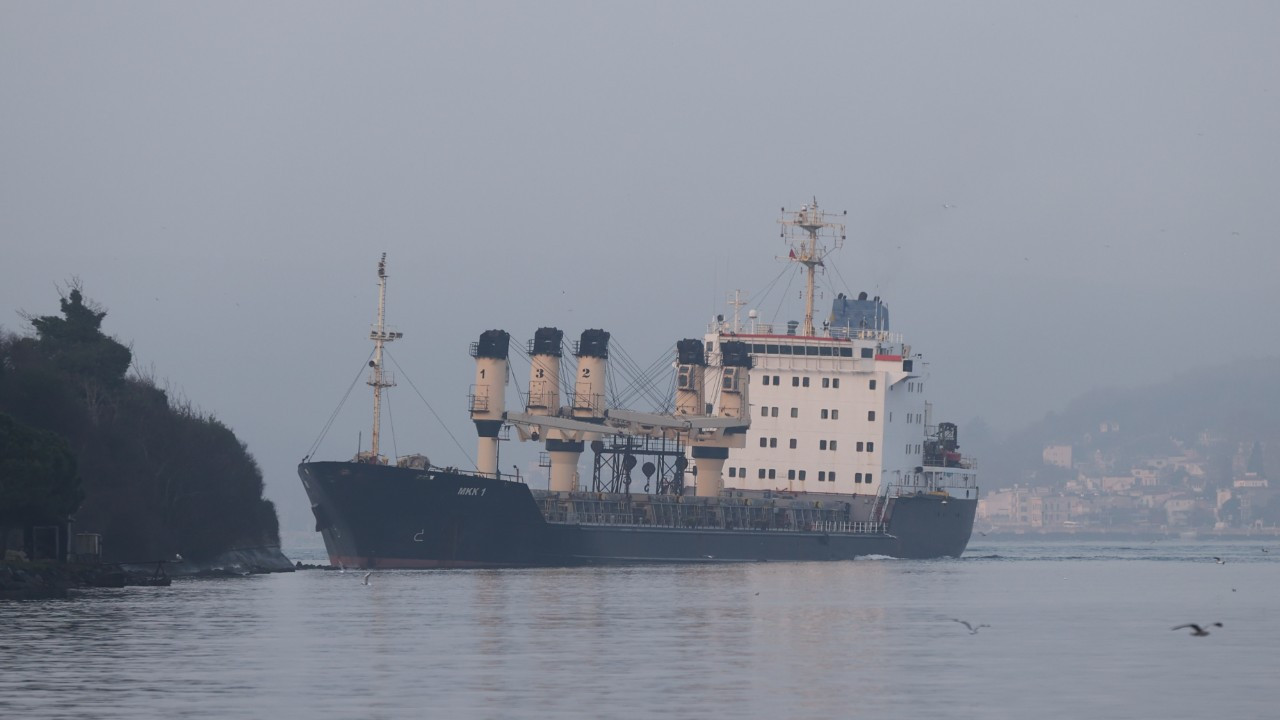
column 789, row 443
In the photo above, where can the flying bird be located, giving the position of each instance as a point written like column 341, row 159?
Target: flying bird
column 366, row 577
column 1219, row 560
column 1196, row 630
column 973, row 629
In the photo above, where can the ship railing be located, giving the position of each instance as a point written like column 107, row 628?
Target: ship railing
column 882, row 336
column 934, row 479
column 477, row 403
column 607, row 519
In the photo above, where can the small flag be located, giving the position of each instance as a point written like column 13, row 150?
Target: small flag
column 793, row 255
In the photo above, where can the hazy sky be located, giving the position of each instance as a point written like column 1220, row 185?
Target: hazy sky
column 223, row 176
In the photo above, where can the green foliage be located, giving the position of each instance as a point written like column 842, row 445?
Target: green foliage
column 38, row 480
column 159, row 478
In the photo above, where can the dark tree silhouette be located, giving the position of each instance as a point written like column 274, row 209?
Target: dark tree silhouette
column 158, row 477
column 38, row 480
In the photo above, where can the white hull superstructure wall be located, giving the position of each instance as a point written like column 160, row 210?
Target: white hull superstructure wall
column 835, row 415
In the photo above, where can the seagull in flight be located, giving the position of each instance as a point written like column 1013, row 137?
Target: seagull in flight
column 1196, row 630
column 973, row 629
column 366, row 577
column 1219, row 560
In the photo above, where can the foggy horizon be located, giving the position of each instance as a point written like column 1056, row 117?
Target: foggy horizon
column 1051, row 200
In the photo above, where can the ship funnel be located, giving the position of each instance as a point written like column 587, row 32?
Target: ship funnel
column 589, row 387
column 544, row 372
column 691, row 371
column 488, row 396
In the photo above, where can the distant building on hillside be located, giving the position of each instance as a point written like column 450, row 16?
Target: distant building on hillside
column 1058, row 455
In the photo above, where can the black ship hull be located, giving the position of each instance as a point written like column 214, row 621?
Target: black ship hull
column 377, row 516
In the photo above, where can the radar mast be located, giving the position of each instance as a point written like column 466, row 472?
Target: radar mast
column 804, row 230
column 380, row 335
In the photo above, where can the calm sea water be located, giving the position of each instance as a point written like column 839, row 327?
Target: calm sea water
column 1079, row 630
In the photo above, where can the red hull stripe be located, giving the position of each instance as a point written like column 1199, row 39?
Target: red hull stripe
column 889, row 357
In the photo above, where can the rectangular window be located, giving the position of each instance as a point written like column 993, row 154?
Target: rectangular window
column 795, row 381
column 806, row 381
column 764, row 442
column 867, row 478
column 773, row 411
column 859, row 446
column 835, row 414
column 811, row 350
column 795, row 412
column 766, row 379
column 906, row 366
column 835, row 382
column 824, row 413
column 786, row 349
column 868, row 353
column 871, row 447
column 826, row 351
column 761, row 473
column 801, row 476
column 793, row 443
column 831, row 476
column 791, row 474
column 764, row 411
column 833, row 444
column 773, row 442
column 873, row 385
column 733, row 472
column 742, row 472
column 822, row 476
column 857, row 477
column 871, row 415
column 846, row 352
column 775, row 380
column 822, row 444
column 772, row 474
column 826, row 382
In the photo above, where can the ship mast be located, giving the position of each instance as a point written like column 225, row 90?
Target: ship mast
column 803, row 230
column 380, row 336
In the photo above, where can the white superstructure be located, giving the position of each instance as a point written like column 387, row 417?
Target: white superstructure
column 837, row 409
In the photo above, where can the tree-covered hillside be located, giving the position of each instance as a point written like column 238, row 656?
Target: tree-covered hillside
column 159, row 477
column 1218, row 409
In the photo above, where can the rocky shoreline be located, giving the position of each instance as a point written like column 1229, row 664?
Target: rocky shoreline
column 50, row 580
